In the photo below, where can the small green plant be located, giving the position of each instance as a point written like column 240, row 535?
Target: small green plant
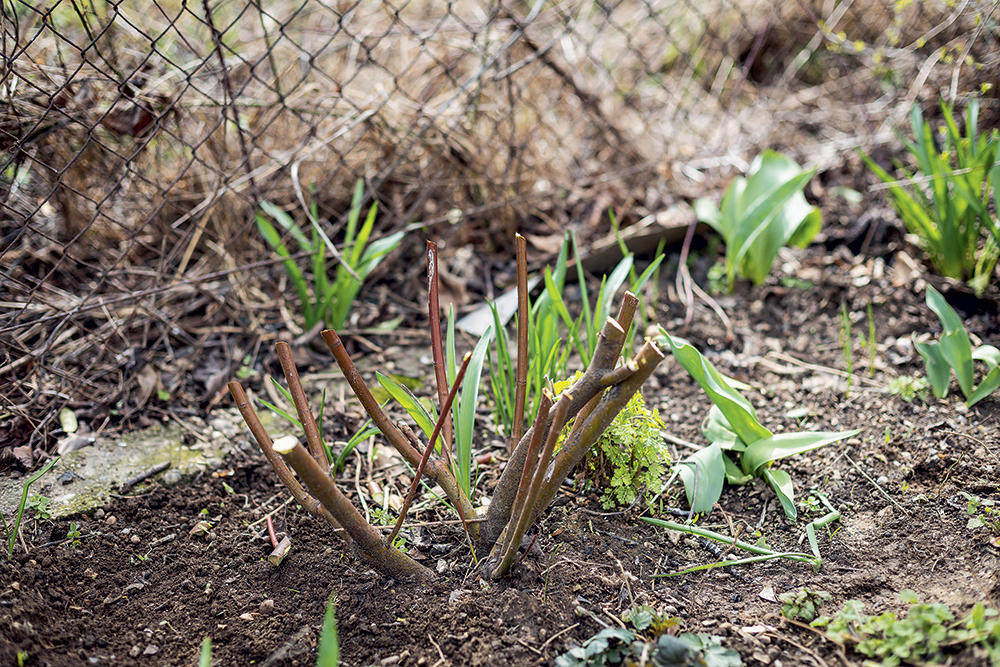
column 614, row 646
column 802, row 603
column 11, row 530
column 40, row 505
column 732, row 426
column 951, row 216
column 73, row 534
column 909, row 387
column 983, row 513
column 760, row 214
column 925, row 633
column 953, row 352
column 330, row 302
column 630, row 456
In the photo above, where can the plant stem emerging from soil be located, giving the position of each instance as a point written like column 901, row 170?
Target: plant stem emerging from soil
column 369, row 544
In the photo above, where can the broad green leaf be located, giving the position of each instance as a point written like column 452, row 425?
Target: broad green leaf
column 703, row 474
column 985, row 388
column 938, row 370
column 766, row 450
column 718, row 431
column 988, row 355
column 954, row 344
column 734, row 475
column 418, row 412
column 328, row 651
column 466, row 420
column 737, row 410
column 782, row 485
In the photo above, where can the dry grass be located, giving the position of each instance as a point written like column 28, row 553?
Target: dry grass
column 138, row 143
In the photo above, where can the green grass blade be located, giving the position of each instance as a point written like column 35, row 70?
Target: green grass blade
column 280, row 412
column 328, row 651
column 608, row 291
column 585, row 298
column 418, row 412
column 205, row 657
column 273, row 239
column 465, row 423
column 286, row 221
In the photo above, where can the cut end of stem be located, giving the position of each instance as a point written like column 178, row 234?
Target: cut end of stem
column 285, row 444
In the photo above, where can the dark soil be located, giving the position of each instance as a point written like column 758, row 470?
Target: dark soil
column 137, row 589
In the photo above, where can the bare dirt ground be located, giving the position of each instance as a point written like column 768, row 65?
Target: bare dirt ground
column 137, row 589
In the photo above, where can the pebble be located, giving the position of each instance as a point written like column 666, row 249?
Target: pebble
column 134, row 539
column 99, row 514
column 267, row 607
column 882, row 480
column 171, row 478
column 111, row 520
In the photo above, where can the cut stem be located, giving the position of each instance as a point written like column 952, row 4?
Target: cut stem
column 301, row 496
column 521, row 378
column 368, row 542
column 437, row 348
column 445, row 408
column 313, row 436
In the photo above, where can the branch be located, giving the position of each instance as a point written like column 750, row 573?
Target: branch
column 368, row 542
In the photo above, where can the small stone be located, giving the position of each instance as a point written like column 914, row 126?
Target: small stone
column 99, row 514
column 171, row 478
column 267, row 607
column 134, row 539
column 135, row 651
column 882, row 480
column 111, row 520
column 151, row 649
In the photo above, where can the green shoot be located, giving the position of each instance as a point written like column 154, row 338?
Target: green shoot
column 872, row 342
column 950, row 214
column 760, row 214
column 330, row 302
column 953, row 352
column 732, row 426
column 328, row 651
column 11, row 531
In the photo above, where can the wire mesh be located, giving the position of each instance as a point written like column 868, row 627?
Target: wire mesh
column 140, row 138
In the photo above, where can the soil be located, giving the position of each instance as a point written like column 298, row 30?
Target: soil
column 137, row 588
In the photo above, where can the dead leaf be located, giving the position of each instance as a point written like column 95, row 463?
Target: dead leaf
column 23, row 455
column 149, row 381
column 550, row 245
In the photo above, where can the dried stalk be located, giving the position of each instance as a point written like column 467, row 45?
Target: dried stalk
column 437, row 349
column 445, row 408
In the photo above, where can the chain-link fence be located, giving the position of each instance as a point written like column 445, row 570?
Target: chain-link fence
column 140, row 137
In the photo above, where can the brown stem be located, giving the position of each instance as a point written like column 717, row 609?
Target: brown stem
column 587, row 386
column 445, row 408
column 437, row 349
column 531, row 458
column 301, row 496
column 313, row 436
column 521, row 381
column 435, row 469
column 612, row 402
column 368, row 543
column 526, row 511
